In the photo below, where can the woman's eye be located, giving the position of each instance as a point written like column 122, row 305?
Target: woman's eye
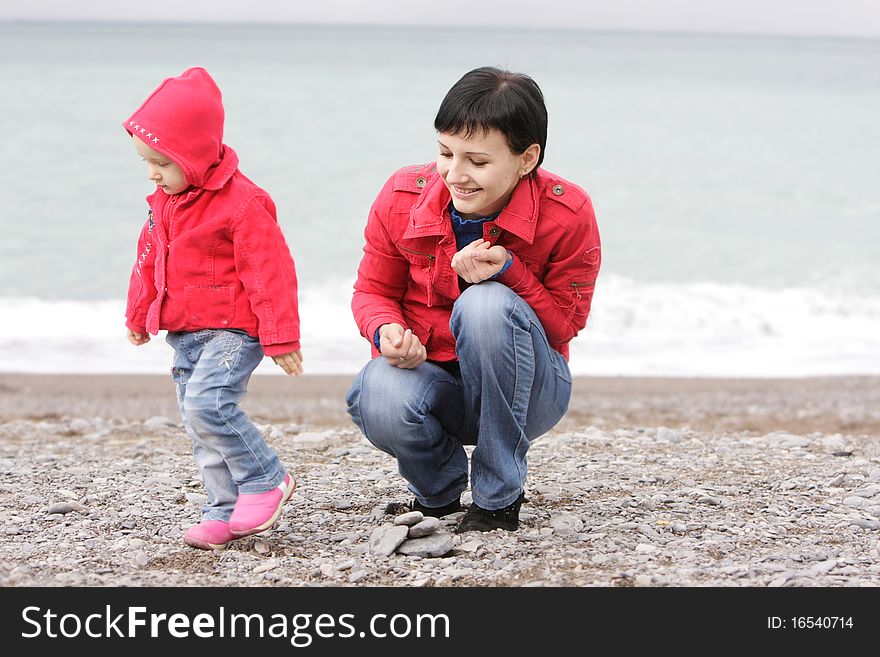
column 478, row 164
column 442, row 154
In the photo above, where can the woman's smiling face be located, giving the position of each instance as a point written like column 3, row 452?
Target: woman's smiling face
column 480, row 171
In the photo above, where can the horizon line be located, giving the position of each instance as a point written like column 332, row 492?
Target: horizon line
column 108, row 22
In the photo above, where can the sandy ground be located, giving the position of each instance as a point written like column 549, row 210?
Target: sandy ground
column 645, row 482
column 849, row 405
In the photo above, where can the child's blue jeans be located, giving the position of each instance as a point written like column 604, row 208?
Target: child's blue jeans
column 211, row 370
column 512, row 388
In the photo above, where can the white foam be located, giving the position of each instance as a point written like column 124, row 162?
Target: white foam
column 635, row 329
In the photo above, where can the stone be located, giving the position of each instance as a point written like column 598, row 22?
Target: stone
column 435, row 545
column 67, row 507
column 410, row 518
column 424, row 528
column 386, row 538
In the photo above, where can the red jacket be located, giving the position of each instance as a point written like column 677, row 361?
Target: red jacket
column 212, row 256
column 406, row 276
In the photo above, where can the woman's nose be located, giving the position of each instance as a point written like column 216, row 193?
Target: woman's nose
column 452, row 174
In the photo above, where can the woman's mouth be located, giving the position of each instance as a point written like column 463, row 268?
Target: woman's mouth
column 465, row 192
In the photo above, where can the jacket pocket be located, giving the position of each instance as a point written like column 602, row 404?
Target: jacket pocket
column 581, row 286
column 209, row 306
column 421, row 271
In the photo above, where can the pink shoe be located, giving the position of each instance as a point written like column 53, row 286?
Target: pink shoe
column 209, row 535
column 257, row 512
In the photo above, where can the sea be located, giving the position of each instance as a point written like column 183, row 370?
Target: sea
column 735, row 178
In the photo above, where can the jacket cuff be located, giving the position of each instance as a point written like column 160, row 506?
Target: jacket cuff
column 375, row 324
column 136, row 328
column 376, row 337
column 503, row 270
column 515, row 274
column 280, row 348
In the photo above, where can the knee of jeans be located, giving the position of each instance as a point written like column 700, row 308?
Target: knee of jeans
column 387, row 416
column 199, row 407
column 352, row 401
column 483, row 310
column 391, row 412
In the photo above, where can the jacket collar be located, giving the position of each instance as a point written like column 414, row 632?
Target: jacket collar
column 221, row 172
column 428, row 216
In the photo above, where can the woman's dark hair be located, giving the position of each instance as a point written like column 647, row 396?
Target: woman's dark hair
column 490, row 97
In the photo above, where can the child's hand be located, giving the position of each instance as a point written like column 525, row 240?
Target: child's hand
column 137, row 339
column 291, row 363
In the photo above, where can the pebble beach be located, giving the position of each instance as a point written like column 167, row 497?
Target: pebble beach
column 645, row 482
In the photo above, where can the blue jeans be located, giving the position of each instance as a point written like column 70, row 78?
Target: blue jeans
column 512, row 387
column 211, row 370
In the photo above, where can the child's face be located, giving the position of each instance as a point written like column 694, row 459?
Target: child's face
column 481, row 171
column 161, row 170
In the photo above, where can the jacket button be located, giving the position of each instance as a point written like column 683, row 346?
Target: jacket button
column 420, row 182
column 494, row 231
column 559, row 190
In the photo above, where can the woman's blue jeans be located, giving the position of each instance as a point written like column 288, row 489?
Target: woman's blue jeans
column 513, row 387
column 211, row 370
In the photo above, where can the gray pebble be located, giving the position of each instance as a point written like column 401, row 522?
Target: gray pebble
column 410, row 518
column 566, row 523
column 385, row 539
column 435, row 545
column 865, row 524
column 356, row 576
column 424, row 528
column 67, row 507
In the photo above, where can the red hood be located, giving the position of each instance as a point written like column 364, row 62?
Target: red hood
column 183, row 119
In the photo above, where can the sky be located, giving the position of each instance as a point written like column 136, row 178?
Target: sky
column 847, row 18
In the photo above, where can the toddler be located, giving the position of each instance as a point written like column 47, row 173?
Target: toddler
column 214, row 270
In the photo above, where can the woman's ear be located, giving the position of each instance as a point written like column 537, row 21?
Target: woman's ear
column 529, row 159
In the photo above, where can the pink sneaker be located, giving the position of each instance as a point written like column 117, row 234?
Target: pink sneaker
column 209, row 535
column 257, row 512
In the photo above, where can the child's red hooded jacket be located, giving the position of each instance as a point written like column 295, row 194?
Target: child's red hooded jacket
column 212, row 256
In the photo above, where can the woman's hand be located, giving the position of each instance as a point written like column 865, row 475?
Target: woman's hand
column 137, row 339
column 291, row 363
column 401, row 347
column 478, row 261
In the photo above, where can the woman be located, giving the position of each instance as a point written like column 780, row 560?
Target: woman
column 477, row 272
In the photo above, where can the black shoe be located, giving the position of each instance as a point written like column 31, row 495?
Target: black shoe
column 438, row 511
column 482, row 520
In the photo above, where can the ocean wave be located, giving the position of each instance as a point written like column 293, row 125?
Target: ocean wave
column 635, row 329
